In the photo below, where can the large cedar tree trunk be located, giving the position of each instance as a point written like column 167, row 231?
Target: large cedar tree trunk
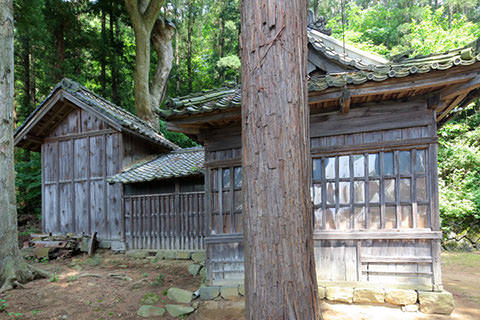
column 13, row 269
column 150, row 31
column 279, row 263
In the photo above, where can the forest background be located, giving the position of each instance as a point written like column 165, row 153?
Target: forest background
column 92, row 42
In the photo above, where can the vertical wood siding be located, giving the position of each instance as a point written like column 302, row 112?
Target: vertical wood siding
column 165, row 221
column 78, row 157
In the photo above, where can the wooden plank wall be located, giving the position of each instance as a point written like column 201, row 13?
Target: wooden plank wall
column 165, row 221
column 78, row 156
column 224, row 251
column 381, row 259
column 397, row 257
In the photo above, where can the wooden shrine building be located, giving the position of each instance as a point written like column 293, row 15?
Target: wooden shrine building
column 374, row 153
column 86, row 142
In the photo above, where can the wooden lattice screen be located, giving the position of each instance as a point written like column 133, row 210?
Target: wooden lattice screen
column 165, row 221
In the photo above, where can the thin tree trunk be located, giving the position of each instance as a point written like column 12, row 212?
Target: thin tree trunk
column 13, row 269
column 60, row 50
column 189, row 45
column 103, row 63
column 280, row 275
column 114, row 33
column 221, row 40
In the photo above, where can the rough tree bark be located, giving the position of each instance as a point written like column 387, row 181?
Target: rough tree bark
column 279, row 262
column 13, row 269
column 150, row 30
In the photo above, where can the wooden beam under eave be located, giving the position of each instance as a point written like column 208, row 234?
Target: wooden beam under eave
column 460, row 89
column 345, row 102
column 454, row 104
column 34, row 139
column 183, row 129
column 379, row 88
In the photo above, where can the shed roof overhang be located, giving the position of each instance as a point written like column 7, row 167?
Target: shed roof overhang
column 67, row 96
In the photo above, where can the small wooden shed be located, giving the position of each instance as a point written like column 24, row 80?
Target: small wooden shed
column 374, row 157
column 85, row 140
column 164, row 200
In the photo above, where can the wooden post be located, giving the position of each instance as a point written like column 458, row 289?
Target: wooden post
column 278, row 235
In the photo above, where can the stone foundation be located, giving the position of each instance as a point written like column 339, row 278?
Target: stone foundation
column 440, row 302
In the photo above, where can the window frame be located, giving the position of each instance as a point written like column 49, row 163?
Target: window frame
column 382, row 204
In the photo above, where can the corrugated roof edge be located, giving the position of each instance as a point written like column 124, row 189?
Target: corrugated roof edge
column 119, row 178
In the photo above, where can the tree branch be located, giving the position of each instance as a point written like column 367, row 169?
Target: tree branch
column 152, row 12
column 162, row 34
column 133, row 12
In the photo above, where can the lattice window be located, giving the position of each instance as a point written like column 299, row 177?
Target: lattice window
column 226, row 200
column 377, row 190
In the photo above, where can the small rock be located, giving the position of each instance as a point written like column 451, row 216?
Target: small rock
column 123, row 266
column 41, row 252
column 170, row 255
column 183, row 255
column 195, row 304
column 203, row 273
column 199, row 257
column 137, row 254
column 436, row 302
column 400, row 297
column 340, row 294
column 209, row 293
column 194, row 269
column 150, row 299
column 138, row 284
column 176, row 310
column 368, row 295
column 179, row 295
column 228, row 293
column 150, row 311
column 410, row 308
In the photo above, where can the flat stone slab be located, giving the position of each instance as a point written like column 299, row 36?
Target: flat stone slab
column 194, row 269
column 368, row 295
column 410, row 308
column 179, row 295
column 183, row 255
column 209, row 293
column 228, row 293
column 199, row 257
column 150, row 311
column 400, row 297
column 137, row 254
column 176, row 310
column 339, row 294
column 167, row 254
column 436, row 302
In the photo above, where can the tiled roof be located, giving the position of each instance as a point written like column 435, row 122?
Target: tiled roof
column 227, row 98
column 345, row 54
column 177, row 164
column 112, row 112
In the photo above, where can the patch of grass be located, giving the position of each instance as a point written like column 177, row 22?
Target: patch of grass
column 94, row 261
column 159, row 280
column 461, row 259
column 15, row 315
column 54, row 277
column 72, row 278
column 35, row 312
column 3, row 305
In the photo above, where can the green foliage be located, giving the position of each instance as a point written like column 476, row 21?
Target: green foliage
column 3, row 305
column 459, row 175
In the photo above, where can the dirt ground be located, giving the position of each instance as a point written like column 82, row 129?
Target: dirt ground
column 111, row 286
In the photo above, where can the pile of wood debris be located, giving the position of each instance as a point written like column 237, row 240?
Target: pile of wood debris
column 48, row 246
